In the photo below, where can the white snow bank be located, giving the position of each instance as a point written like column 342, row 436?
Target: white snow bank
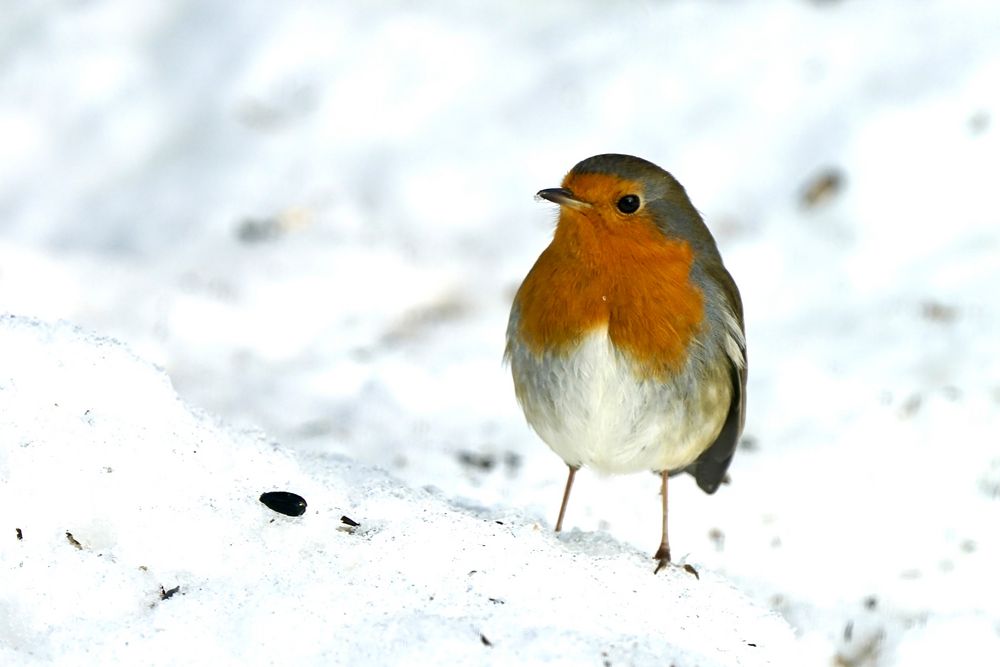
column 112, row 493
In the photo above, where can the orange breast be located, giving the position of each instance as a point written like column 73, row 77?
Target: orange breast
column 636, row 283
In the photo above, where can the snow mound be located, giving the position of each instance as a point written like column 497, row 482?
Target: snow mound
column 133, row 534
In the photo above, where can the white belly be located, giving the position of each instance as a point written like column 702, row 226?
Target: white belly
column 592, row 410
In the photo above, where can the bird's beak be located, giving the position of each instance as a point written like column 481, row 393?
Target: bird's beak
column 563, row 197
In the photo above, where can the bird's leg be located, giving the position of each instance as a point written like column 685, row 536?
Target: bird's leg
column 562, row 508
column 663, row 553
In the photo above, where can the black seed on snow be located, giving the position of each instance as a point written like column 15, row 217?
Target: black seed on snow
column 19, row 534
column 167, row 594
column 484, row 462
column 349, row 521
column 284, row 502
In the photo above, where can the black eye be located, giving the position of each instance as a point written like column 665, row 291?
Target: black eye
column 629, row 204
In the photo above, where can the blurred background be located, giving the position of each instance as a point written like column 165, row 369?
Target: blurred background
column 314, row 215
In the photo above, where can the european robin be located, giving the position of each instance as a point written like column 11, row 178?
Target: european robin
column 626, row 339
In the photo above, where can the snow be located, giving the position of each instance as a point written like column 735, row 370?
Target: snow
column 313, row 216
column 119, row 493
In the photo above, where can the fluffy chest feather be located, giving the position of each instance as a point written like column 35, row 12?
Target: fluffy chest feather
column 588, row 404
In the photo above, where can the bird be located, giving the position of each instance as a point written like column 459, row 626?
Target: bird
column 626, row 339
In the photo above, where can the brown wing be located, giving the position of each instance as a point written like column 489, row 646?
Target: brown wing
column 709, row 469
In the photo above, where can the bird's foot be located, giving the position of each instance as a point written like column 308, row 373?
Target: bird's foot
column 662, row 556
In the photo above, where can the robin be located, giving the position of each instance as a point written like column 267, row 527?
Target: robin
column 626, row 338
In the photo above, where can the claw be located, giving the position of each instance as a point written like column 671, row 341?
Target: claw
column 663, row 556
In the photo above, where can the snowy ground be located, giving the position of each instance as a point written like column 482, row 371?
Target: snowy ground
column 137, row 538
column 313, row 218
